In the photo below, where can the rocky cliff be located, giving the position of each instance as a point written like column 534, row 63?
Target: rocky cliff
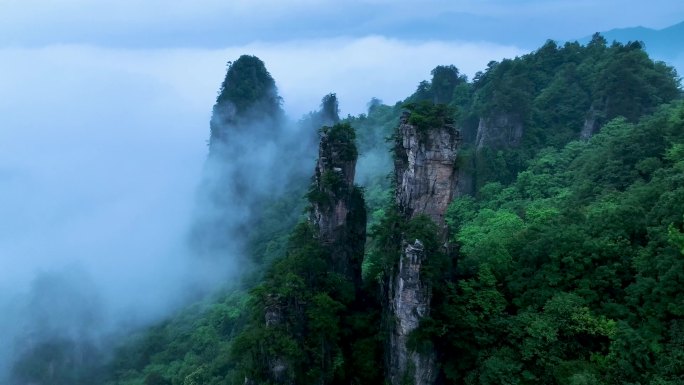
column 427, row 181
column 593, row 120
column 409, row 303
column 499, row 130
column 424, row 169
column 337, row 208
column 338, row 223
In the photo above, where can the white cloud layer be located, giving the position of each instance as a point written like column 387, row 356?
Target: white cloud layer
column 101, row 149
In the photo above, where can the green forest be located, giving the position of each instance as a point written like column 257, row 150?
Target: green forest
column 560, row 259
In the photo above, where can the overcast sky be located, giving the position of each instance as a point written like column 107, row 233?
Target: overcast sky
column 220, row 23
column 104, row 104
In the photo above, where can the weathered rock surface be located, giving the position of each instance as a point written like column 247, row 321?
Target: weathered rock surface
column 426, row 177
column 592, row 122
column 590, row 126
column 333, row 179
column 409, row 303
column 427, row 182
column 499, row 130
column 338, row 210
column 338, row 216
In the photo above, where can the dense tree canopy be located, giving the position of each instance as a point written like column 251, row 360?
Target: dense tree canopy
column 572, row 274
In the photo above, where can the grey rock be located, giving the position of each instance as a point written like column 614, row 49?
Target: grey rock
column 426, row 177
column 427, row 181
column 499, row 130
column 339, row 214
column 409, row 303
column 592, row 123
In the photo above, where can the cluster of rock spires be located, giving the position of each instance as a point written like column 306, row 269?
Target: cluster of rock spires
column 427, row 174
column 427, row 177
column 427, row 181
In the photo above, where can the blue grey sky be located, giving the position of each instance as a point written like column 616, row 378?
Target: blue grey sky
column 215, row 24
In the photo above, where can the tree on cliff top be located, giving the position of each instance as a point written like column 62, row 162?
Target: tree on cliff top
column 330, row 109
column 248, row 93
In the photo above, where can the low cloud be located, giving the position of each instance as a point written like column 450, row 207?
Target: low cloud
column 101, row 149
column 102, row 152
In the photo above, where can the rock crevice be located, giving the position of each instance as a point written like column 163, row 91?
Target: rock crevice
column 425, row 170
column 337, row 208
column 427, row 181
column 499, row 130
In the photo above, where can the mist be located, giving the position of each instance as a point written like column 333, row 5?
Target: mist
column 102, row 155
column 99, row 168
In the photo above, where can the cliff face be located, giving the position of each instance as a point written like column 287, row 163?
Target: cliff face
column 338, row 223
column 593, row 120
column 590, row 125
column 500, row 130
column 409, row 303
column 337, row 208
column 426, row 182
column 424, row 169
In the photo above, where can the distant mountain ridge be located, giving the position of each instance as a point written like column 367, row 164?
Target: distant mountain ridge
column 665, row 44
column 666, row 41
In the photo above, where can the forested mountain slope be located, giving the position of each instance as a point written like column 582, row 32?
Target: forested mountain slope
column 525, row 227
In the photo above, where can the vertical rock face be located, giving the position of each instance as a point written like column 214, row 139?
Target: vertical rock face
column 337, row 207
column 427, row 181
column 500, row 130
column 593, row 120
column 410, row 302
column 273, row 318
column 424, row 168
column 590, row 126
column 338, row 218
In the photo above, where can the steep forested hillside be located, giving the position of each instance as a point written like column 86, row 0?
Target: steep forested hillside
column 559, row 260
column 573, row 272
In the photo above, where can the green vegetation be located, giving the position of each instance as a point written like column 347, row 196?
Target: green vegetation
column 556, row 92
column 330, row 110
column 248, row 85
column 248, row 97
column 572, row 273
column 565, row 266
column 306, row 324
column 426, row 116
column 342, row 138
column 191, row 348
